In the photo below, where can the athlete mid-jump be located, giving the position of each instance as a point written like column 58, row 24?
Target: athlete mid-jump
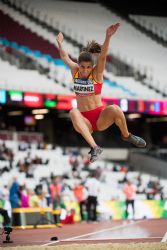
column 90, row 114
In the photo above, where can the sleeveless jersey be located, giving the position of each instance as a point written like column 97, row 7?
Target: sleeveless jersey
column 86, row 86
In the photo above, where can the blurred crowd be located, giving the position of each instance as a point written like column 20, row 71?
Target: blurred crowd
column 54, row 191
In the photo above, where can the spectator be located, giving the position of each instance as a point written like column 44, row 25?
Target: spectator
column 34, row 200
column 159, row 189
column 80, row 195
column 55, row 190
column 93, row 187
column 43, row 199
column 150, row 189
column 130, row 193
column 67, row 216
column 24, row 198
column 139, row 180
column 5, row 209
column 5, row 191
column 14, row 194
column 124, row 179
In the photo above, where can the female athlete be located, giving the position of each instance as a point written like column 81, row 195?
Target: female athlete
column 90, row 114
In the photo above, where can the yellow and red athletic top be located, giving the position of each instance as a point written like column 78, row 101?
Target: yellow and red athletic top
column 86, row 86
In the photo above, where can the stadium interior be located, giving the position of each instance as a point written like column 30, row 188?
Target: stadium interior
column 37, row 140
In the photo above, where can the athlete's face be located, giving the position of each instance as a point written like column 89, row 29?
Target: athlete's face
column 85, row 69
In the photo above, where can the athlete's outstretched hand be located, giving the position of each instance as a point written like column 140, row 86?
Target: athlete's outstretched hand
column 60, row 38
column 112, row 29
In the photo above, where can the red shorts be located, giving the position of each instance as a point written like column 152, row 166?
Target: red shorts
column 93, row 115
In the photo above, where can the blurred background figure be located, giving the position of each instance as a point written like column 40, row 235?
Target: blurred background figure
column 80, row 193
column 93, row 187
column 55, row 190
column 5, row 209
column 14, row 193
column 130, row 195
column 24, row 197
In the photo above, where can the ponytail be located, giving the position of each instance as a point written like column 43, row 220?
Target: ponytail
column 92, row 47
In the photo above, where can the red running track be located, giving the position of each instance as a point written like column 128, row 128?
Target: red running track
column 118, row 231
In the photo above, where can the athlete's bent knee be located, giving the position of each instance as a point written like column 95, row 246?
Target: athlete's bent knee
column 116, row 110
column 73, row 113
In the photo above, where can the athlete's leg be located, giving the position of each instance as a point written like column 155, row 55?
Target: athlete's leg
column 82, row 126
column 112, row 114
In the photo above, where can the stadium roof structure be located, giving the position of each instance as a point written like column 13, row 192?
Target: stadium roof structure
column 142, row 7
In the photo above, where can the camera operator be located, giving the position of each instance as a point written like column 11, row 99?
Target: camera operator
column 5, row 210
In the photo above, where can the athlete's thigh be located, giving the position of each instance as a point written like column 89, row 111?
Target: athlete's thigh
column 87, row 122
column 106, row 118
column 77, row 117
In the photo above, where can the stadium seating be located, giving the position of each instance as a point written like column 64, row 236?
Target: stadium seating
column 62, row 74
column 27, row 80
column 59, row 165
column 157, row 25
column 138, row 49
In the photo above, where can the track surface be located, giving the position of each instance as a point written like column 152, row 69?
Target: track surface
column 118, row 231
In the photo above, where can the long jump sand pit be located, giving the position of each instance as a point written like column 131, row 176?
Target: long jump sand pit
column 109, row 246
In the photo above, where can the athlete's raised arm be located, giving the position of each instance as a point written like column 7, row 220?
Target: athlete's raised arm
column 99, row 69
column 64, row 55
